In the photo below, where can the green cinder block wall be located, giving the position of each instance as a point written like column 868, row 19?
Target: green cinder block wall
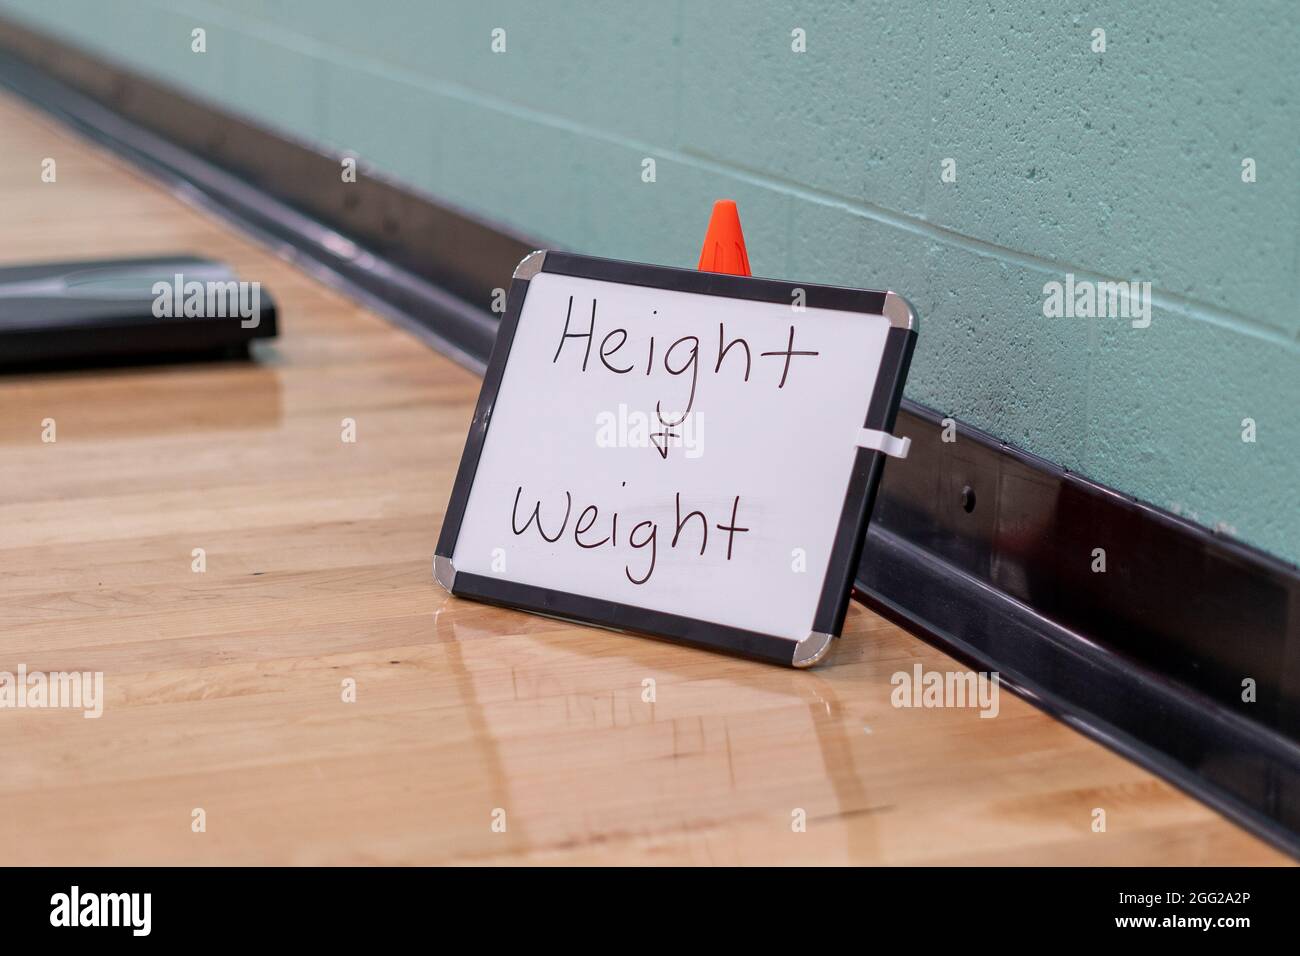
column 1122, row 164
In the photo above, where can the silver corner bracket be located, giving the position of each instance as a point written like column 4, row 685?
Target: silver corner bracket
column 531, row 264
column 897, row 310
column 812, row 649
column 444, row 572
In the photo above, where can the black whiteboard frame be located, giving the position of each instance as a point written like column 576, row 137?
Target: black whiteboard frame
column 864, row 479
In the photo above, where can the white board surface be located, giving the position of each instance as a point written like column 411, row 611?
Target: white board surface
column 780, row 455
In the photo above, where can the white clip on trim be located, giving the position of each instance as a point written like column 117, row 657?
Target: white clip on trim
column 883, row 441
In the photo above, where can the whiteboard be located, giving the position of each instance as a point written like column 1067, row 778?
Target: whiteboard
column 674, row 452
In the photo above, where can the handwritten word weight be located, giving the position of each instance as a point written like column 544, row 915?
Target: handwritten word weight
column 644, row 535
column 679, row 358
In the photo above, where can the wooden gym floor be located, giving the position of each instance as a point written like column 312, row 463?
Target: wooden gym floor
column 223, row 688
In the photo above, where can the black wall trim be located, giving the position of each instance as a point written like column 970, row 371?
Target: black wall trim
column 985, row 549
column 1148, row 657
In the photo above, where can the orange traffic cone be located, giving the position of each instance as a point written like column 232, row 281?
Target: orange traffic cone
column 724, row 243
